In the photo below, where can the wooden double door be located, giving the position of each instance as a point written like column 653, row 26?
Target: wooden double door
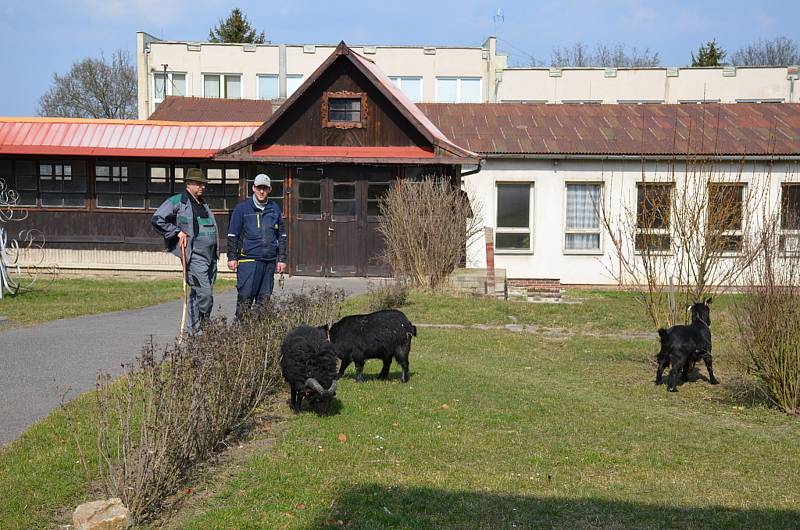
column 335, row 215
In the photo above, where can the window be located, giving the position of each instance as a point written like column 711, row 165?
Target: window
column 228, row 86
column 293, row 82
column 653, row 211
column 411, row 87
column 790, row 218
column 724, row 217
column 268, row 87
column 582, row 227
column 344, row 110
column 458, row 89
column 277, row 176
column 120, row 184
column 159, row 187
column 20, row 176
column 171, row 84
column 379, row 182
column 513, row 231
column 222, row 190
column 62, row 184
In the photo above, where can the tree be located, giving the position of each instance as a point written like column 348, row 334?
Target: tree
column 236, row 28
column 93, row 88
column 710, row 54
column 616, row 55
column 780, row 51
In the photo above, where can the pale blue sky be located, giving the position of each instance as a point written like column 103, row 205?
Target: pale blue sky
column 40, row 37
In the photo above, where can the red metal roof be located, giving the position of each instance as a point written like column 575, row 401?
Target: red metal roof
column 177, row 108
column 81, row 137
column 765, row 129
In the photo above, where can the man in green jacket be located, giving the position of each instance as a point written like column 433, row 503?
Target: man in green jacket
column 187, row 223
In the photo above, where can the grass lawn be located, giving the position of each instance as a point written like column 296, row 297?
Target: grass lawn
column 496, row 429
column 72, row 297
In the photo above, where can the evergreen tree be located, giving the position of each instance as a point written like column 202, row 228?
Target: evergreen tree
column 709, row 55
column 236, row 28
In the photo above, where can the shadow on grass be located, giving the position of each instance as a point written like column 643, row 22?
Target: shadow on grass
column 377, row 506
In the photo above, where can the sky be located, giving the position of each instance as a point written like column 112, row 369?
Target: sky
column 43, row 37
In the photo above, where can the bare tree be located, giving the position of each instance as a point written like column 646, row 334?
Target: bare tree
column 617, row 55
column 94, row 88
column 780, row 51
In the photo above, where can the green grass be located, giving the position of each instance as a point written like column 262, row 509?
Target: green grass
column 65, row 298
column 539, row 430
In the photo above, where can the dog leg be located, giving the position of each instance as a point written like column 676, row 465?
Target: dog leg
column 708, row 360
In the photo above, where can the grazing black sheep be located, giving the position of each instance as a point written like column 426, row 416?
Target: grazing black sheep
column 380, row 335
column 683, row 346
column 308, row 363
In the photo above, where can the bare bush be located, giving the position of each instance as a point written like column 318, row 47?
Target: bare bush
column 684, row 234
column 389, row 296
column 768, row 319
column 427, row 226
column 168, row 414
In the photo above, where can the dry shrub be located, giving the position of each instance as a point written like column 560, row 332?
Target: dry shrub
column 389, row 296
column 427, row 226
column 768, row 319
column 168, row 414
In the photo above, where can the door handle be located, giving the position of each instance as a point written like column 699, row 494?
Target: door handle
column 330, row 229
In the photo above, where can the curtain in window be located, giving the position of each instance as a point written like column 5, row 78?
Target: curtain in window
column 582, row 203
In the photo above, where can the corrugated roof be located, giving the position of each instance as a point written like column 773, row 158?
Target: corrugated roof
column 709, row 129
column 70, row 136
column 178, row 108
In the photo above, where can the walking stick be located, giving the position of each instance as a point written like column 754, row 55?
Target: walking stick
column 182, row 333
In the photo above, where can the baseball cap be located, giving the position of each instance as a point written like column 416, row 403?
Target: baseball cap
column 262, row 180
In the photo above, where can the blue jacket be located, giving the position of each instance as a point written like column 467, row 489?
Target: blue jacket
column 255, row 234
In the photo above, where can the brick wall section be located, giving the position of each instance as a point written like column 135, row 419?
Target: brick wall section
column 537, row 285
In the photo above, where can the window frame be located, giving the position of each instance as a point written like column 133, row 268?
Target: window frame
column 277, row 79
column 739, row 232
column 120, row 178
column 398, row 82
column 459, row 80
column 654, row 231
column 599, row 230
column 515, row 230
column 785, row 233
column 169, row 84
column 344, row 94
column 223, row 85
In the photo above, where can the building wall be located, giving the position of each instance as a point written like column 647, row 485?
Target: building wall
column 548, row 258
column 661, row 85
column 196, row 59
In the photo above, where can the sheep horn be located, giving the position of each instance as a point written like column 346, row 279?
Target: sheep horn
column 314, row 384
column 332, row 389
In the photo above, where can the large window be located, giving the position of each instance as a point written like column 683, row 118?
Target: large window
column 222, row 190
column 20, row 176
column 293, row 82
column 514, row 215
column 790, row 218
column 582, row 226
column 411, row 87
column 268, row 87
column 228, row 86
column 169, row 84
column 120, row 184
column 724, row 217
column 62, row 183
column 458, row 89
column 653, row 211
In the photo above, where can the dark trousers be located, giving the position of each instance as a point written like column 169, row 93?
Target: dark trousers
column 254, row 282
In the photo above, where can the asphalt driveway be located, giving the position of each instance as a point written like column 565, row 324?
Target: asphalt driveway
column 38, row 364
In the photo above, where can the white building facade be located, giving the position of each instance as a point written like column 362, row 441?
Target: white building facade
column 439, row 74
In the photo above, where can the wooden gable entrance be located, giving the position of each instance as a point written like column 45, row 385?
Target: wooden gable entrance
column 346, row 135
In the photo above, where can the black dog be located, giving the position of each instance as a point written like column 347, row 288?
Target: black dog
column 683, row 346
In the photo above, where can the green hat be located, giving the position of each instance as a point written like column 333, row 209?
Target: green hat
column 196, row 174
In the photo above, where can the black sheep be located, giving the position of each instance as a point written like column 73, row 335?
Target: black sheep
column 308, row 363
column 380, row 335
column 683, row 346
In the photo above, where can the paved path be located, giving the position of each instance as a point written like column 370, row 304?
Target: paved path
column 39, row 363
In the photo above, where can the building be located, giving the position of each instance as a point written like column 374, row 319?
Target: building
column 440, row 75
column 349, row 132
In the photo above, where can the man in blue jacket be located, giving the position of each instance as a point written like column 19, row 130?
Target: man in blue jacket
column 186, row 222
column 256, row 246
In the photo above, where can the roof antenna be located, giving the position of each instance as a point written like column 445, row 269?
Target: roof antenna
column 498, row 19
